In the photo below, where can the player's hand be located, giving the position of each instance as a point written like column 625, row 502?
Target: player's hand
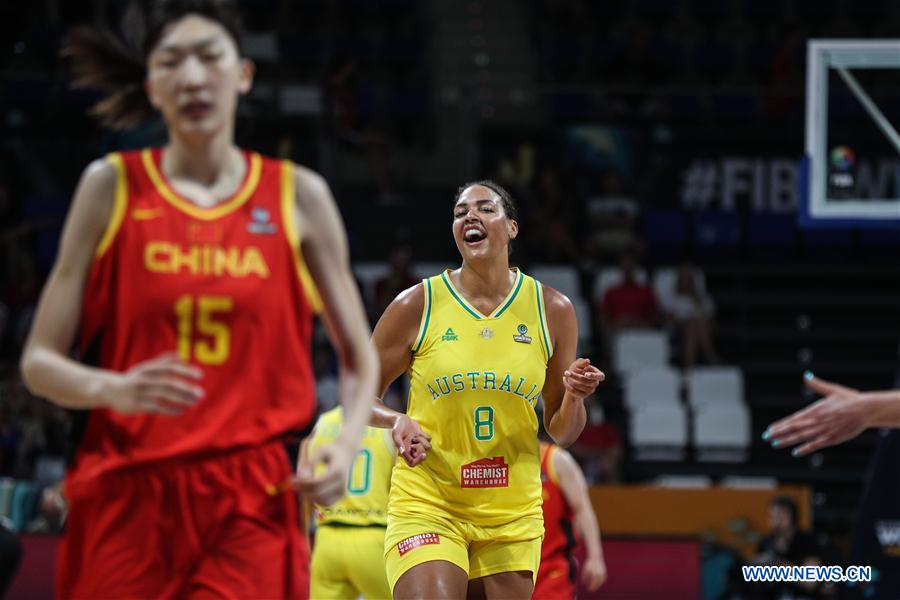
column 163, row 385
column 582, row 378
column 593, row 573
column 412, row 443
column 839, row 416
column 329, row 487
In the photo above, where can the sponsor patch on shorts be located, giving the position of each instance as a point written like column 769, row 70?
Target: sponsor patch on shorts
column 421, row 539
column 485, row 473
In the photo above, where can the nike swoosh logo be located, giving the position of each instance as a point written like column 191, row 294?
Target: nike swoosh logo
column 145, row 214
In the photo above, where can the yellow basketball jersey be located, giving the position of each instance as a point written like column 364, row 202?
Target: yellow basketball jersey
column 474, row 383
column 369, row 480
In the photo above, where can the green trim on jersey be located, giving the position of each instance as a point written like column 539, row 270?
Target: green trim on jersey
column 426, row 316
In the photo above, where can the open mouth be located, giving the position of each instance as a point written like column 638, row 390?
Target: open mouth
column 196, row 110
column 473, row 235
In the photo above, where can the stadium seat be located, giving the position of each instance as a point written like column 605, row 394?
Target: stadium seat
column 638, row 349
column 665, row 280
column 721, row 432
column 659, row 432
column 656, row 385
column 561, row 277
column 749, row 483
column 717, row 386
column 683, row 481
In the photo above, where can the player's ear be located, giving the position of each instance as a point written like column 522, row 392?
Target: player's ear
column 512, row 228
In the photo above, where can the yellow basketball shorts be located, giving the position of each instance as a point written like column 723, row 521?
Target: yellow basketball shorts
column 347, row 562
column 413, row 539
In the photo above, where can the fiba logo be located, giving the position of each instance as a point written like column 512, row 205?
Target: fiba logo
column 842, row 158
column 888, row 533
column 843, row 162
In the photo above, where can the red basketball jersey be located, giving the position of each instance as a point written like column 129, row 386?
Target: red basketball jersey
column 225, row 287
column 559, row 535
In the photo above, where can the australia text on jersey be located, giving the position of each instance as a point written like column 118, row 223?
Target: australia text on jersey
column 445, row 385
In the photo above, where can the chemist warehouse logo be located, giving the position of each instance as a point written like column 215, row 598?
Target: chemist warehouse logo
column 485, row 473
column 421, row 539
column 888, row 533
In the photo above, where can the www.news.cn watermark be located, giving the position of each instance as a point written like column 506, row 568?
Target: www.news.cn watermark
column 807, row 574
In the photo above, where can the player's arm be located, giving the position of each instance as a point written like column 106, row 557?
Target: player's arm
column 842, row 414
column 394, row 336
column 574, row 488
column 162, row 385
column 568, row 381
column 324, row 247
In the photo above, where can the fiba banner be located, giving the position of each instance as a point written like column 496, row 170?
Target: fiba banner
column 759, row 184
column 877, row 537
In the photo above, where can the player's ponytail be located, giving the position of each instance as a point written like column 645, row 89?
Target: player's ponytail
column 102, row 61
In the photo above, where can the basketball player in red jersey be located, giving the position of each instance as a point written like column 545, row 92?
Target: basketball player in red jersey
column 566, row 503
column 194, row 271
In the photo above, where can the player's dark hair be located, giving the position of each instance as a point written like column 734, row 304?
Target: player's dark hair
column 509, row 205
column 788, row 504
column 102, row 60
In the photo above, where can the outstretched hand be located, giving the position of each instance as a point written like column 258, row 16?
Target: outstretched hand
column 838, row 417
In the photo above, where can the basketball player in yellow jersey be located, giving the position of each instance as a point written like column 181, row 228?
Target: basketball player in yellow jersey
column 480, row 344
column 347, row 559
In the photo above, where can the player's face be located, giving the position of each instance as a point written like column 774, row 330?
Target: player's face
column 195, row 75
column 481, row 228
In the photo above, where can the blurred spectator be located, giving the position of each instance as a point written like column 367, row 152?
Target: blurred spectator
column 629, row 304
column 692, row 309
column 399, row 278
column 613, row 215
column 787, row 545
column 599, row 448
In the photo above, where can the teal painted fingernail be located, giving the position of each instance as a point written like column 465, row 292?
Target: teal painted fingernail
column 775, row 443
column 807, row 375
column 795, row 451
column 766, row 434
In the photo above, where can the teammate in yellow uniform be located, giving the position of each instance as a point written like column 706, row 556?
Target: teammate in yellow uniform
column 347, row 560
column 481, row 344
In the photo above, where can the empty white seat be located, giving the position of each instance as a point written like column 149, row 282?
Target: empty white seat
column 721, row 432
column 653, row 385
column 611, row 276
column 715, row 385
column 683, row 481
column 659, row 432
column 560, row 277
column 749, row 483
column 640, row 348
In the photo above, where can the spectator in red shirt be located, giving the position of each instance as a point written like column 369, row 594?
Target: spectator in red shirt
column 629, row 304
column 599, row 448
